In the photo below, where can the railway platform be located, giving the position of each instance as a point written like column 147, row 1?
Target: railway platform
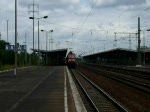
column 54, row 91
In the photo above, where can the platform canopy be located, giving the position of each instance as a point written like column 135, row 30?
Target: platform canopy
column 54, row 57
column 118, row 56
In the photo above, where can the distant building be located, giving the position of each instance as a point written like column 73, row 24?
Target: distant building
column 119, row 56
column 145, row 48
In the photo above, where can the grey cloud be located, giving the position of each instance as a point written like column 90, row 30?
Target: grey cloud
column 118, row 3
column 50, row 4
column 70, row 13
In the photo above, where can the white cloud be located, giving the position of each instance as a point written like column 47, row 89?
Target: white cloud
column 64, row 15
column 148, row 2
column 106, row 3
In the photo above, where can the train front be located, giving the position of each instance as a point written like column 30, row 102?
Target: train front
column 71, row 60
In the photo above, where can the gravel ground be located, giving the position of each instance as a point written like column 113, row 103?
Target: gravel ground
column 132, row 99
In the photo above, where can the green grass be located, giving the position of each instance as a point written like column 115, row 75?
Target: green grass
column 6, row 67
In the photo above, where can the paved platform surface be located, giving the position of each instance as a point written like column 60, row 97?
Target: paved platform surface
column 38, row 90
column 48, row 96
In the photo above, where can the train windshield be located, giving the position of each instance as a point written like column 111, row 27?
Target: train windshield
column 71, row 56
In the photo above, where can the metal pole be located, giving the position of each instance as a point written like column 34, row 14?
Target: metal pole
column 46, row 47
column 49, row 44
column 26, row 48
column 130, row 41
column 7, row 30
column 139, row 41
column 33, row 31
column 115, row 40
column 144, row 47
column 38, row 45
column 16, row 46
column 51, row 39
column 136, row 40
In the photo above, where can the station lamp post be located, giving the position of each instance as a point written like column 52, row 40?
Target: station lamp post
column 144, row 48
column 16, row 47
column 144, row 44
column 46, row 41
column 44, row 17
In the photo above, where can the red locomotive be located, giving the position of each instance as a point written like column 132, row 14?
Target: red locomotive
column 71, row 60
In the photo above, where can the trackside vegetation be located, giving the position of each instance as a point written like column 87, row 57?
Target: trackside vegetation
column 7, row 58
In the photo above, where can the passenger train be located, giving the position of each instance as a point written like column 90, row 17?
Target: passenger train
column 71, row 60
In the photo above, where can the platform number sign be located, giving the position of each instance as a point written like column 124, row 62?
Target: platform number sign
column 10, row 48
column 21, row 48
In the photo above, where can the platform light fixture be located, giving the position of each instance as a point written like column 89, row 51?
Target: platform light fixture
column 38, row 36
column 46, row 41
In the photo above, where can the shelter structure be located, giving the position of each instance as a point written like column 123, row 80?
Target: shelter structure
column 53, row 57
column 118, row 56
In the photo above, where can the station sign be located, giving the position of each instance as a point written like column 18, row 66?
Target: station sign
column 21, row 48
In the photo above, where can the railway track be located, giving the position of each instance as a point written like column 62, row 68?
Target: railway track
column 136, row 82
column 134, row 72
column 99, row 100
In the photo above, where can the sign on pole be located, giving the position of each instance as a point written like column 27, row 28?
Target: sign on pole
column 21, row 48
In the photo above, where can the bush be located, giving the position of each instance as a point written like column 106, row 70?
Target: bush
column 6, row 67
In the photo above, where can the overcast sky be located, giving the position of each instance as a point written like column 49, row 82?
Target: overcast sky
column 82, row 25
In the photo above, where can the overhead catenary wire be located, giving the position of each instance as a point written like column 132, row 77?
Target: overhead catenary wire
column 82, row 17
column 120, row 14
column 138, row 14
column 78, row 29
column 65, row 26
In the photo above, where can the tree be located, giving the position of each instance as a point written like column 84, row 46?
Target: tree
column 6, row 57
